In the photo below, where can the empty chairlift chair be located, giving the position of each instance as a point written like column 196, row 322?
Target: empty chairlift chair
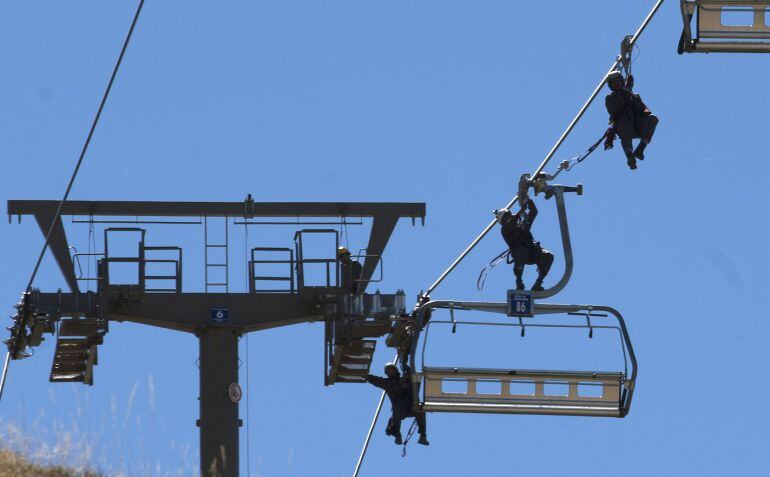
column 610, row 394
column 737, row 26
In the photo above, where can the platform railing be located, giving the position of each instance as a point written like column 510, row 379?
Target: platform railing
column 254, row 278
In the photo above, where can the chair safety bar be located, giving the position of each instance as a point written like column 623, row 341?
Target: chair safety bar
column 603, row 400
column 614, row 400
column 741, row 26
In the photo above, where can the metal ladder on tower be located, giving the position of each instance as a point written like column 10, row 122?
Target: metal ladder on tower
column 225, row 282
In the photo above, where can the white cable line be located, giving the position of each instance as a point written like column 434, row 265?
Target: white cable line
column 556, row 146
column 75, row 172
column 553, row 149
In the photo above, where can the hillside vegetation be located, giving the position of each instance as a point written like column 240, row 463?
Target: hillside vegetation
column 15, row 465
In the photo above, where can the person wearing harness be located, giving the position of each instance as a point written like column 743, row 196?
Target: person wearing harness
column 350, row 271
column 399, row 391
column 629, row 118
column 523, row 249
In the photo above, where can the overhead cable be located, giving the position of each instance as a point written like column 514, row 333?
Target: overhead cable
column 371, row 430
column 555, row 147
column 75, row 172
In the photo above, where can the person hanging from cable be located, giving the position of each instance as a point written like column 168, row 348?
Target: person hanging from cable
column 399, row 391
column 523, row 249
column 630, row 118
column 350, row 271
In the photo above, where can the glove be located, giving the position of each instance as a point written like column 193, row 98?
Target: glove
column 630, row 82
column 609, row 139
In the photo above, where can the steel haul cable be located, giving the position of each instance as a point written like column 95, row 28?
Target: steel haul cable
column 553, row 150
column 75, row 172
column 365, row 447
column 542, row 165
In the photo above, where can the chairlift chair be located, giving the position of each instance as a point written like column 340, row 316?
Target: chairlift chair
column 736, row 26
column 614, row 399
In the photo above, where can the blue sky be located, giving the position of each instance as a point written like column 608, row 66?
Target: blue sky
column 445, row 102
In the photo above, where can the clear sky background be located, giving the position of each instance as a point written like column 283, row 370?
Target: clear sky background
column 445, row 102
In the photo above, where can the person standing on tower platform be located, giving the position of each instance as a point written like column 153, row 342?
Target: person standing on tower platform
column 629, row 118
column 350, row 271
column 523, row 249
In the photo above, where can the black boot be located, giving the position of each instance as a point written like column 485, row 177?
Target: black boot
column 639, row 152
column 423, row 440
column 630, row 160
column 538, row 285
column 399, row 440
column 519, row 284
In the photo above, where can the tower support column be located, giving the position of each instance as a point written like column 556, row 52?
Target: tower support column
column 219, row 420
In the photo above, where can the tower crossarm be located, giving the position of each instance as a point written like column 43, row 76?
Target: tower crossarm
column 384, row 217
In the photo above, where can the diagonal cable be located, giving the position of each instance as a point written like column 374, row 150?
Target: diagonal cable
column 85, row 146
column 555, row 147
column 74, row 175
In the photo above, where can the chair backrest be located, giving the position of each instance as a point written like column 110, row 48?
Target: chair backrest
column 733, row 20
column 574, row 393
column 740, row 26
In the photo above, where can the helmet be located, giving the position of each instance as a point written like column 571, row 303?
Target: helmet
column 614, row 76
column 501, row 214
column 342, row 251
column 391, row 366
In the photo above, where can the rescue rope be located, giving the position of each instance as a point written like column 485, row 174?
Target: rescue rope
column 568, row 165
column 75, row 173
column 409, row 435
column 492, row 264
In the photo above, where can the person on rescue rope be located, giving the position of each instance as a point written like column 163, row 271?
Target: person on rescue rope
column 399, row 391
column 350, row 271
column 629, row 118
column 524, row 250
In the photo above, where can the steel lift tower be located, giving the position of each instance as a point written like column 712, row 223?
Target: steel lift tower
column 216, row 316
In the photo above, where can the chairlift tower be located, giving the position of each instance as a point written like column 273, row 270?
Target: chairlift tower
column 217, row 315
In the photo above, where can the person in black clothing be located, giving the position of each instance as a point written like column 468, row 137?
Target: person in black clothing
column 399, row 391
column 629, row 118
column 524, row 250
column 350, row 271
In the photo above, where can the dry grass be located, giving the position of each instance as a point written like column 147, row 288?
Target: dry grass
column 15, row 465
column 70, row 437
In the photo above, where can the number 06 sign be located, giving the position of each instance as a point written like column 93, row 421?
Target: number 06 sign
column 520, row 303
